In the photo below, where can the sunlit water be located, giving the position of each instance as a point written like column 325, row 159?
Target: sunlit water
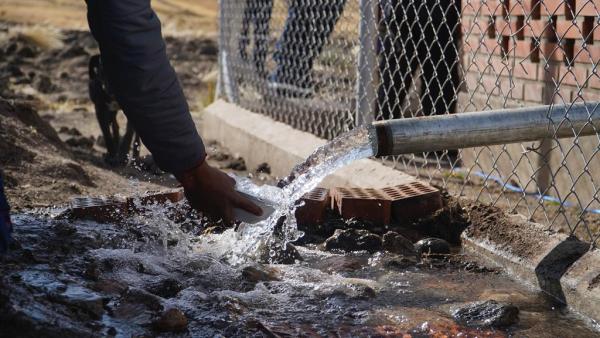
column 250, row 238
column 325, row 294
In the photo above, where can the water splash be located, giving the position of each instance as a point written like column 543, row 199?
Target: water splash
column 281, row 226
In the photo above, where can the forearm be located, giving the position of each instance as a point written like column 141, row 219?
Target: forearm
column 144, row 82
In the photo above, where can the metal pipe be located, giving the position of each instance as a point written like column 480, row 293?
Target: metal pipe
column 475, row 129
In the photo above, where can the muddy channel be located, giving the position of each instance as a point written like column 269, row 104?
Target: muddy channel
column 164, row 272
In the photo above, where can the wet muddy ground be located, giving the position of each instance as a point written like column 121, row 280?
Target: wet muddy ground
column 168, row 273
column 165, row 272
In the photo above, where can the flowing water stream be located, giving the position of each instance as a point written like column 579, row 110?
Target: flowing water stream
column 82, row 278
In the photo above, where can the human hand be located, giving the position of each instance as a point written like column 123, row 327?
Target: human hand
column 212, row 191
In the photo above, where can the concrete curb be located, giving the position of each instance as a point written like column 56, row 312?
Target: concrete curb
column 562, row 267
column 260, row 139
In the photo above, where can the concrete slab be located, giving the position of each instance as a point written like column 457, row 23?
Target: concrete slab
column 258, row 138
column 561, row 266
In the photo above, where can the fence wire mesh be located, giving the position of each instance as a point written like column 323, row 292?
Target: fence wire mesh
column 327, row 66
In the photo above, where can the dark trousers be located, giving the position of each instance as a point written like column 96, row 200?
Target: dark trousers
column 257, row 14
column 307, row 29
column 419, row 34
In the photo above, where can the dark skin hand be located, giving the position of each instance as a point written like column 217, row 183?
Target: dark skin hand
column 213, row 192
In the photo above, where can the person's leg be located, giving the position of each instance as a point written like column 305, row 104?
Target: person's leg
column 261, row 34
column 5, row 222
column 247, row 18
column 398, row 59
column 306, row 31
column 440, row 66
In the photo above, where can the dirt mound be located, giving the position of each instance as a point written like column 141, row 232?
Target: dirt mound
column 39, row 169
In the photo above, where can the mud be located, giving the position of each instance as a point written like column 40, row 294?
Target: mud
column 154, row 275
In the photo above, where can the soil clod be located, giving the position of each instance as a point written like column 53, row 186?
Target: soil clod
column 353, row 240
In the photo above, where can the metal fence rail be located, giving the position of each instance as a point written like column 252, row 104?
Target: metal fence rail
column 327, row 66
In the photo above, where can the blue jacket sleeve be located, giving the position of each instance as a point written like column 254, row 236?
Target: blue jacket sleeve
column 135, row 62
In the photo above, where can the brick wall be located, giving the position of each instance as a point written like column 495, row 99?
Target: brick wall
column 533, row 52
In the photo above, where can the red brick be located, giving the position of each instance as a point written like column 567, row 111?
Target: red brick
column 525, row 70
column 366, row 204
column 472, row 81
column 315, row 205
column 500, row 66
column 489, row 85
column 587, row 95
column 549, row 72
column 594, row 81
column 575, row 76
column 589, row 54
column 587, row 8
column 483, row 8
column 556, row 7
column 413, row 201
column 99, row 209
column 512, row 89
column 552, row 51
column 539, row 28
column 560, row 95
column 507, row 28
column 524, row 49
column 533, row 92
column 527, row 8
column 580, row 30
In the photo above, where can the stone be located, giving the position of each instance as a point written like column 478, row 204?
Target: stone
column 264, row 168
column 109, row 286
column 257, row 274
column 277, row 253
column 166, row 288
column 395, row 243
column 353, row 240
column 172, row 320
column 489, row 313
column 433, row 247
column 237, row 164
column 44, row 84
column 138, row 296
column 64, row 229
column 81, row 142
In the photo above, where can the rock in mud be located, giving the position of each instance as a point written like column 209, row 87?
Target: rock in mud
column 64, row 229
column 433, row 247
column 395, row 243
column 488, row 313
column 237, row 164
column 172, row 320
column 109, row 286
column 353, row 240
column 277, row 253
column 263, row 168
column 138, row 296
column 256, row 274
column 166, row 288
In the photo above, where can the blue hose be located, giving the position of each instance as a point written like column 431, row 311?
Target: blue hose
column 517, row 189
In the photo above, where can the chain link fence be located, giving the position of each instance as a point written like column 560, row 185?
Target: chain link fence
column 327, row 66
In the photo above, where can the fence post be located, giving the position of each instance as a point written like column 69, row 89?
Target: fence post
column 368, row 62
column 543, row 177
